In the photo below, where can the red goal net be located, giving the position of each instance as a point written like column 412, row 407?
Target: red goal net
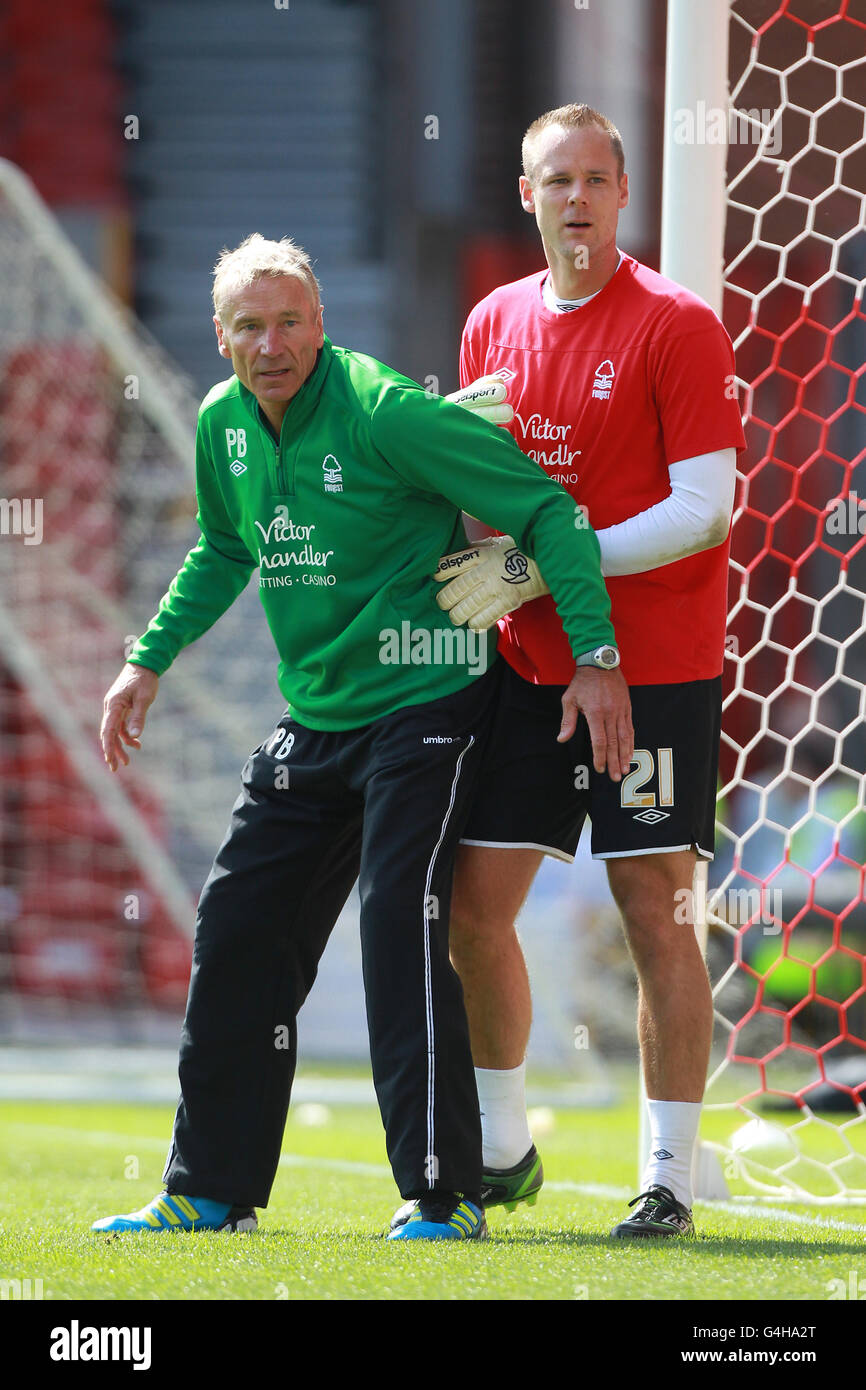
column 787, row 1098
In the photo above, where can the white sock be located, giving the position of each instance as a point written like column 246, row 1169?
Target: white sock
column 673, row 1132
column 505, row 1137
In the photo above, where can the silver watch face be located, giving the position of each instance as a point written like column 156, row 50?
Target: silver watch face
column 608, row 657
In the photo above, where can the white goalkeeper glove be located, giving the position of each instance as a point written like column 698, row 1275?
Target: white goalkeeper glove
column 487, row 580
column 485, row 397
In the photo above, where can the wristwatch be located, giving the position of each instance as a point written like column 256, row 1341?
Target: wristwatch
column 607, row 658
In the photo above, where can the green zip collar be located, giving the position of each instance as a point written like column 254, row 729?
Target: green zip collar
column 302, row 405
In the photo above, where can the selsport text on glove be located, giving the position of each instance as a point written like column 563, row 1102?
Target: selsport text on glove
column 485, row 581
column 485, row 397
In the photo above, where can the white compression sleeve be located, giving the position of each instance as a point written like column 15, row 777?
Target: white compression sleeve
column 694, row 517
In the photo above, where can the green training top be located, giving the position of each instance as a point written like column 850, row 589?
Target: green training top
column 346, row 519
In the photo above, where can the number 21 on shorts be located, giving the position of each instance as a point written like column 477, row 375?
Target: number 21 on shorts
column 631, row 793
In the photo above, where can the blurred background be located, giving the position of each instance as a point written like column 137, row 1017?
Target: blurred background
column 382, row 135
column 385, row 137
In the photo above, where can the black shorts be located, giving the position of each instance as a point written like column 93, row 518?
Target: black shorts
column 535, row 793
column 384, row 803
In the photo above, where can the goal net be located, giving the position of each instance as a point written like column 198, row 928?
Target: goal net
column 786, row 1100
column 98, row 873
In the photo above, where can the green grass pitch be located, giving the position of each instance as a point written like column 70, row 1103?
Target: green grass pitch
column 320, row 1238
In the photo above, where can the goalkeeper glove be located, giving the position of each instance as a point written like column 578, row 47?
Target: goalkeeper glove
column 493, row 578
column 486, row 398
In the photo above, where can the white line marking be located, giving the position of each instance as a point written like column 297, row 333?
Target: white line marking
column 589, row 1189
column 793, row 1218
column 742, row 1206
column 739, row 1206
column 147, row 1141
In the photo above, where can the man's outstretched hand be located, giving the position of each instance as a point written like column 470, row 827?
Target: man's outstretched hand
column 124, row 711
column 603, row 698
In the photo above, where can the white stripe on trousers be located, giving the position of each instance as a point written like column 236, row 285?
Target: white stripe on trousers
column 428, row 989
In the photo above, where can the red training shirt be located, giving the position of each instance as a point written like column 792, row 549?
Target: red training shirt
column 605, row 398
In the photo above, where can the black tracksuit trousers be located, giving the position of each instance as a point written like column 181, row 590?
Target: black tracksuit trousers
column 386, row 802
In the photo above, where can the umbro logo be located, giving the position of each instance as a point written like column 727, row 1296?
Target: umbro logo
column 662, row 1153
column 651, row 817
column 237, row 468
column 504, row 374
column 681, row 1222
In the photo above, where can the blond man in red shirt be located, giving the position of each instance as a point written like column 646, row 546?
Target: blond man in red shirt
column 621, row 385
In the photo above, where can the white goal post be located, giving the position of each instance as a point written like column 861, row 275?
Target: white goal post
column 763, row 215
column 692, row 236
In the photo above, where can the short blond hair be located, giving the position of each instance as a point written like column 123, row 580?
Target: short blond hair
column 575, row 116
column 255, row 258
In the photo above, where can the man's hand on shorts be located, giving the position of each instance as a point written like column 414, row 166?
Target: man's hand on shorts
column 602, row 698
column 124, row 711
column 487, row 580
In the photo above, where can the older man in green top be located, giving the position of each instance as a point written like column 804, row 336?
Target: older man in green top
column 343, row 483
